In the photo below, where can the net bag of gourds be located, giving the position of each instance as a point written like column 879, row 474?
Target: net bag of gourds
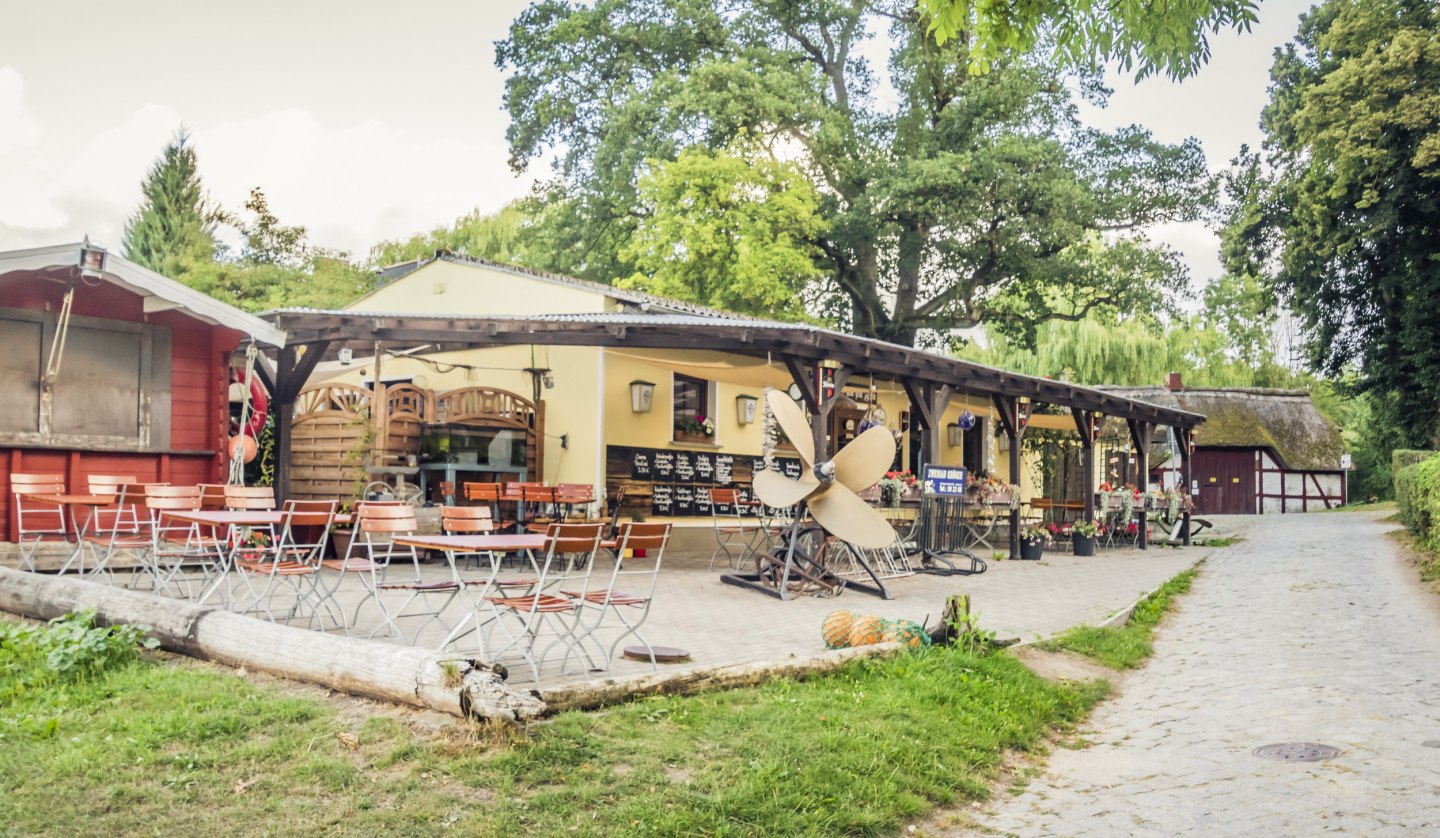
column 842, row 629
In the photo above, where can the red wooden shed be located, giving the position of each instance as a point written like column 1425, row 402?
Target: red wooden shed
column 137, row 382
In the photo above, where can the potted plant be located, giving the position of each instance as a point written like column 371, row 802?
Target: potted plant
column 1032, row 543
column 694, row 429
column 894, row 486
column 1083, row 537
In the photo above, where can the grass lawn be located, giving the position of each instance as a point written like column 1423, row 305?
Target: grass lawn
column 151, row 744
column 1127, row 646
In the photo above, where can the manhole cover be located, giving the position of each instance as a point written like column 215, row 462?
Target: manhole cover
column 663, row 654
column 1431, row 743
column 1297, row 752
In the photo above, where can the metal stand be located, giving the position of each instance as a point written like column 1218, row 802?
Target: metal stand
column 941, row 532
column 799, row 563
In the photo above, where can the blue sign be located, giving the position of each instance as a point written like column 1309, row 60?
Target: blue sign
column 944, row 480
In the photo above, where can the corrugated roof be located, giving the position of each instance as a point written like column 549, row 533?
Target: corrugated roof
column 624, row 295
column 1285, row 421
column 146, row 283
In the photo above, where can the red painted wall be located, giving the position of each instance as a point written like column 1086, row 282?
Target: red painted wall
column 199, row 400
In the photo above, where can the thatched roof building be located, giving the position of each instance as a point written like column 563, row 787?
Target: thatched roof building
column 1285, row 421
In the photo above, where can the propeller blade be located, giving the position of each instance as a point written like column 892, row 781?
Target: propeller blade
column 793, row 422
column 776, row 490
column 844, row 515
column 865, row 460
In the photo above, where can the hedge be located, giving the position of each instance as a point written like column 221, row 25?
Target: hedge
column 1417, row 494
column 1402, row 457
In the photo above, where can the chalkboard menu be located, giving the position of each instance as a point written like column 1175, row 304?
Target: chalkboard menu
column 678, row 482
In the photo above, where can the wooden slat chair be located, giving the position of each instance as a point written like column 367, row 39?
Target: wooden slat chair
column 540, row 506
column 490, row 494
column 292, row 560
column 38, row 522
column 475, row 520
column 176, row 545
column 212, row 496
column 125, row 518
column 102, row 545
column 570, row 497
column 569, row 558
column 376, row 527
column 629, row 607
column 734, row 536
column 249, row 498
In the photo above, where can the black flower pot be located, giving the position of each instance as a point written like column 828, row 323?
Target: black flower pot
column 1032, row 550
column 1083, row 545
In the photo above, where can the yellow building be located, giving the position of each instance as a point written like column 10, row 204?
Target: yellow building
column 688, row 385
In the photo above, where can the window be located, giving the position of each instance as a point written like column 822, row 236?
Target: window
column 114, row 378
column 694, row 408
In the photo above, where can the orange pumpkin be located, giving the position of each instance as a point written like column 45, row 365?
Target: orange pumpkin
column 866, row 630
column 907, row 632
column 836, row 629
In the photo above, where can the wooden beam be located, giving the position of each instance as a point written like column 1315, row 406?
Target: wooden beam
column 801, row 376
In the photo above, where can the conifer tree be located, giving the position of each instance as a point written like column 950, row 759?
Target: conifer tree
column 174, row 228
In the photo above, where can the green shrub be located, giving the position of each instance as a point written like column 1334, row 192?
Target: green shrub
column 1417, row 496
column 1403, row 457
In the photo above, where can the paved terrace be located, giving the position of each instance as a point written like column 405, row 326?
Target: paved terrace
column 721, row 624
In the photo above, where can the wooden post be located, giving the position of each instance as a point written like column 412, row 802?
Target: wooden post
column 1084, row 424
column 1187, row 438
column 1005, row 407
column 807, row 377
column 284, row 416
column 927, row 405
column 1140, row 435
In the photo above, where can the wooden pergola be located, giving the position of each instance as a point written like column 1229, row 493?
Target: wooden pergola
column 930, row 380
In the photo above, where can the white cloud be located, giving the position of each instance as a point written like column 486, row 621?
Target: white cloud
column 350, row 185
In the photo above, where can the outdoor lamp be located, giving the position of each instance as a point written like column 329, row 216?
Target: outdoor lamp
column 956, row 434
column 642, row 395
column 745, row 409
column 92, row 259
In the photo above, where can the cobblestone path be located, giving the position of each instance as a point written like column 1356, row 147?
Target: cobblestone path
column 1313, row 629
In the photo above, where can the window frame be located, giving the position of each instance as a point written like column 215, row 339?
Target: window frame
column 706, row 397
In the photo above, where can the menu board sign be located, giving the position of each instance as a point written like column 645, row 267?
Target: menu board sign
column 680, row 481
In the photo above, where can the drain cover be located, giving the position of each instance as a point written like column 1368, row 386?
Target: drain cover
column 1297, row 752
column 1431, row 743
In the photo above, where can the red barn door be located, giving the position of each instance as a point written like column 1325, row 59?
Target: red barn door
column 1227, row 481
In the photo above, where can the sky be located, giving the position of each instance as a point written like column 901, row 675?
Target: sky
column 370, row 120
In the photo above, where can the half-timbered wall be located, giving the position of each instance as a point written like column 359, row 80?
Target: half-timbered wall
column 1283, row 490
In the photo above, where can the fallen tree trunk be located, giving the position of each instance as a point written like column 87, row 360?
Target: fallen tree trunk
column 603, row 692
column 383, row 671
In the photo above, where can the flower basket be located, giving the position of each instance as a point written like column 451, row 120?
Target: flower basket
column 693, row 438
column 1032, row 549
column 1083, row 545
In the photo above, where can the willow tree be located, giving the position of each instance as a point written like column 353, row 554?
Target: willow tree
column 948, row 198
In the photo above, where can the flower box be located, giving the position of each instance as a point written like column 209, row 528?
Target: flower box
column 694, row 438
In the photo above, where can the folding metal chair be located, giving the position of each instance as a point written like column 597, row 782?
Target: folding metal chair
column 126, row 517
column 38, row 522
column 176, row 545
column 733, row 536
column 291, row 559
column 629, row 607
column 376, row 527
column 567, row 564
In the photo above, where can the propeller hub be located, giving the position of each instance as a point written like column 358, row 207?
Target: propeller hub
column 825, row 472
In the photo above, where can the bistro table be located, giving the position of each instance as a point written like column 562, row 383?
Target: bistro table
column 229, row 520
column 70, row 503
column 482, row 544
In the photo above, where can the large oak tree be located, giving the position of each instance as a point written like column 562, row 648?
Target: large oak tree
column 948, row 198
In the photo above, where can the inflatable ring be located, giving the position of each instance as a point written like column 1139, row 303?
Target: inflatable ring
column 259, row 402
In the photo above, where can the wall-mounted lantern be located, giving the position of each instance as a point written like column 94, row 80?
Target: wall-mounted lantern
column 92, row 259
column 745, row 408
column 956, row 434
column 642, row 395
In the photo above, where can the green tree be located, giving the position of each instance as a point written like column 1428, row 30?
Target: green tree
column 175, row 223
column 497, row 236
column 734, row 231
column 1347, row 224
column 958, row 199
column 267, row 241
column 1148, row 37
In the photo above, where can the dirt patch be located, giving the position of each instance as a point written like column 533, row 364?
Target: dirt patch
column 1061, row 666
